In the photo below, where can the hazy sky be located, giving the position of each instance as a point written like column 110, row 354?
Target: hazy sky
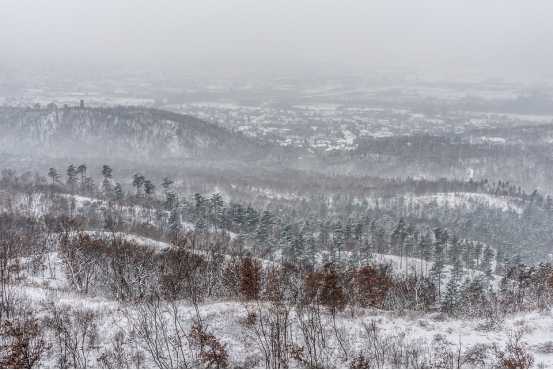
column 501, row 33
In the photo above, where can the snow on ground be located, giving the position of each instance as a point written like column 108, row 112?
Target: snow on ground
column 505, row 203
column 224, row 318
column 470, row 200
column 526, row 117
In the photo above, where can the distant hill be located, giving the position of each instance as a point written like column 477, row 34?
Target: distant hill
column 124, row 132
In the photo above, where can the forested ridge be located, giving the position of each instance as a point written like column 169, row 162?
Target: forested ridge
column 122, row 132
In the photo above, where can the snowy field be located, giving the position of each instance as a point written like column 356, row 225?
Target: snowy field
column 225, row 320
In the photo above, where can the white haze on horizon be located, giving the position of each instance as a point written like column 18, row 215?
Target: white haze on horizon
column 489, row 34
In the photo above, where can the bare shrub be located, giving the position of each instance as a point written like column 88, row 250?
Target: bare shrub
column 21, row 345
column 477, row 355
column 545, row 348
column 360, row 362
column 121, row 355
column 211, row 353
column 515, row 355
column 268, row 328
column 75, row 334
column 159, row 331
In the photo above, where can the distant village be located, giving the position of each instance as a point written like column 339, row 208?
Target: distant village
column 335, row 127
column 322, row 115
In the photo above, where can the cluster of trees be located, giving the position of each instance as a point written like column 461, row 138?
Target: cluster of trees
column 325, row 267
column 342, row 229
column 292, row 310
column 524, row 163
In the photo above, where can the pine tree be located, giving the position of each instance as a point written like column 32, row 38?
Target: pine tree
column 286, row 241
column 138, row 181
column 436, row 272
column 468, row 253
column 149, row 188
column 53, row 174
column 425, row 249
column 263, row 228
column 107, row 172
column 338, row 239
column 174, row 221
column 457, row 270
column 354, row 259
column 478, row 253
column 166, row 184
column 366, row 252
column 200, row 227
column 106, row 186
column 310, row 250
column 358, row 232
column 88, row 184
column 82, row 171
column 217, row 205
column 450, row 302
column 298, row 246
column 398, row 239
column 118, row 189
column 71, row 175
column 487, row 259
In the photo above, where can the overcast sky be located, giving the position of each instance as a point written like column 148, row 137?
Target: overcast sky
column 501, row 33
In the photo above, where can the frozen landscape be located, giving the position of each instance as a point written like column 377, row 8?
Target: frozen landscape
column 291, row 184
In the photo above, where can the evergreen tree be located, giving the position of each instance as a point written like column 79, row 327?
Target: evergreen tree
column 457, row 270
column 89, row 184
column 106, row 186
column 138, row 181
column 354, row 259
column 166, row 184
column 499, row 261
column 263, row 230
column 107, row 172
column 450, row 301
column 53, row 174
column 71, row 175
column 174, row 221
column 366, row 252
column 436, row 272
column 411, row 240
column 286, row 241
column 298, row 247
column 358, row 232
column 217, row 206
column 487, row 259
column 477, row 253
column 425, row 249
column 398, row 239
column 118, row 189
column 200, row 227
column 339, row 239
column 82, row 171
column 310, row 250
column 149, row 188
column 468, row 253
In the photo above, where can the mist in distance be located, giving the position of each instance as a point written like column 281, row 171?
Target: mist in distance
column 496, row 34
